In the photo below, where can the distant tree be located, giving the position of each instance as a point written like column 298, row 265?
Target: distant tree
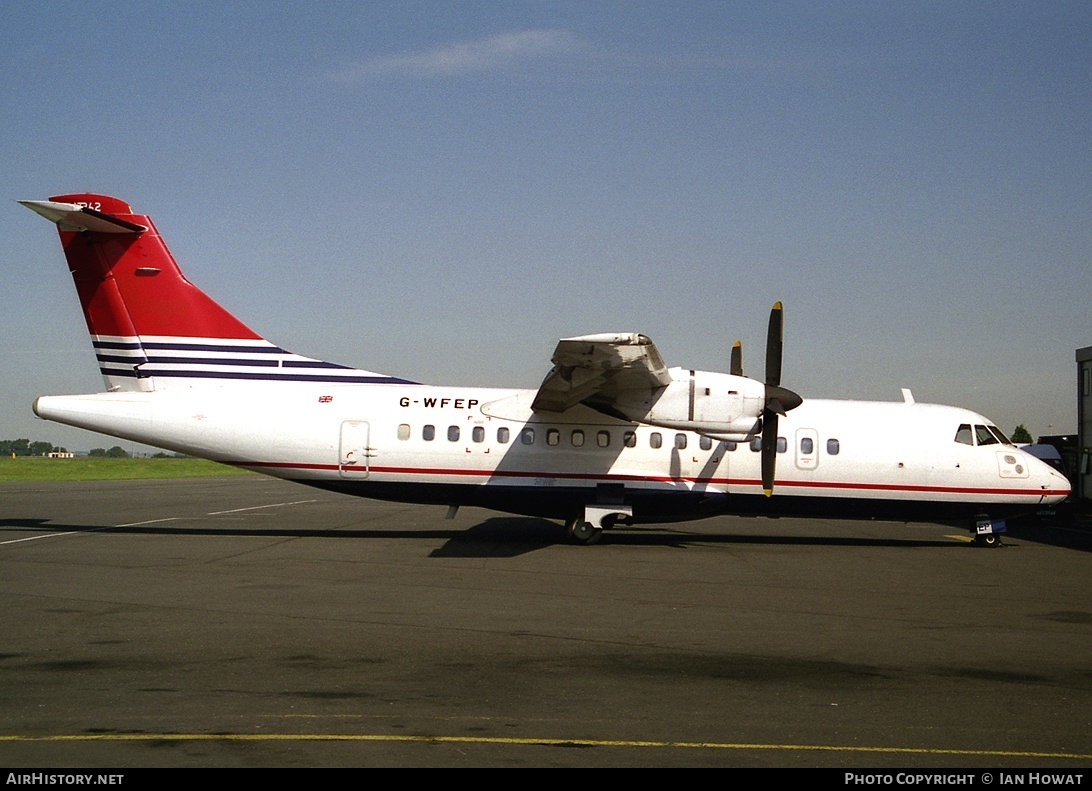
column 15, row 447
column 24, row 447
column 116, row 452
column 1021, row 434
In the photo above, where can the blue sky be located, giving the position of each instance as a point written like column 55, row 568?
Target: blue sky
column 440, row 191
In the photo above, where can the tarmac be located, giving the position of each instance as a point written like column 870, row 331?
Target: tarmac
column 250, row 622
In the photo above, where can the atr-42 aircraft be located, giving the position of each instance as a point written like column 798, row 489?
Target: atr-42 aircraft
column 612, row 436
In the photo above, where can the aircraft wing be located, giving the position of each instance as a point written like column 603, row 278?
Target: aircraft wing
column 599, row 369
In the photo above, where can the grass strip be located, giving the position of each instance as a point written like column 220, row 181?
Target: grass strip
column 34, row 468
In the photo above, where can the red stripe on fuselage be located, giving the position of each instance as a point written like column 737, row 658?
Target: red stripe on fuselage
column 523, row 474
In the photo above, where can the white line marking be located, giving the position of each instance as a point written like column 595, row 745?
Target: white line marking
column 256, row 507
column 151, row 521
column 89, row 530
column 50, row 535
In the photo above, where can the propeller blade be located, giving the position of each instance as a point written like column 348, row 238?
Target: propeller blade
column 736, row 368
column 769, row 451
column 773, row 346
column 779, row 400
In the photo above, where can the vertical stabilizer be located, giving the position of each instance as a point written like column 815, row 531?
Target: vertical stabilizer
column 151, row 328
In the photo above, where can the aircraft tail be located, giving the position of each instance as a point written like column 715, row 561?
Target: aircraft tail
column 151, row 328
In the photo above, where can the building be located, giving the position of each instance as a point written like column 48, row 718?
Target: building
column 1083, row 473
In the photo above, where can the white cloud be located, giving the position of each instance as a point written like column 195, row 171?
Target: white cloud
column 491, row 54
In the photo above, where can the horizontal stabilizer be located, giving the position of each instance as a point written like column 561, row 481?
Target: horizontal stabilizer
column 74, row 217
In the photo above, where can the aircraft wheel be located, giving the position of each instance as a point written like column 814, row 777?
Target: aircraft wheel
column 988, row 540
column 583, row 532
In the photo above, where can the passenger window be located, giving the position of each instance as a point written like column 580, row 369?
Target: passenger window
column 782, row 444
column 833, row 446
column 629, row 439
column 756, row 444
column 403, row 431
column 527, row 436
column 502, row 436
column 428, row 433
column 577, row 438
column 807, row 445
column 478, row 434
column 453, row 433
column 705, row 443
column 731, row 445
column 655, row 439
column 553, row 436
column 680, row 441
column 603, row 439
column 963, row 435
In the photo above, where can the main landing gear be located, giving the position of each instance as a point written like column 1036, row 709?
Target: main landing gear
column 581, row 532
column 588, row 527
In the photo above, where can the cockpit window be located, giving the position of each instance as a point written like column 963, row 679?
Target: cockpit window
column 981, row 435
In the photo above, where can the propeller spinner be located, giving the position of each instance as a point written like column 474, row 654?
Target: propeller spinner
column 779, row 400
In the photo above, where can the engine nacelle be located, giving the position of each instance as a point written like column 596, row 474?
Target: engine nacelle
column 719, row 405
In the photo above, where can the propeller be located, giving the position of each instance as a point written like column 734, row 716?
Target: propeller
column 736, row 368
column 779, row 400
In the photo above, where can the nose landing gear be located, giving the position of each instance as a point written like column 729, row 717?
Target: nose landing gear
column 987, row 532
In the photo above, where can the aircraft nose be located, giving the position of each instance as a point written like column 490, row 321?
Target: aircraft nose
column 1056, row 485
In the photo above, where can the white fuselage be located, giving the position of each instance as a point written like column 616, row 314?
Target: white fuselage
column 455, row 446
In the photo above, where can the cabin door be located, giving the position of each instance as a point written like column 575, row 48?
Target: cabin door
column 355, row 451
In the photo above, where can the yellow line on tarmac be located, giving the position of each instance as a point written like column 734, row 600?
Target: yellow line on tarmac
column 508, row 740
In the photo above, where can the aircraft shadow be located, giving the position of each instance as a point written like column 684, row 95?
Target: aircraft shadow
column 526, row 534
column 512, row 536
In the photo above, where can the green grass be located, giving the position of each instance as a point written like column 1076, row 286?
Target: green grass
column 31, row 468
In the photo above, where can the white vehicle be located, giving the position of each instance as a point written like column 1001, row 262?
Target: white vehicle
column 612, row 436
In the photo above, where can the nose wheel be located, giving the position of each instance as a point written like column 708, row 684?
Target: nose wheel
column 987, row 532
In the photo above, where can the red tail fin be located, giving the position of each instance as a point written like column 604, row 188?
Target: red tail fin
column 128, row 282
column 151, row 328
